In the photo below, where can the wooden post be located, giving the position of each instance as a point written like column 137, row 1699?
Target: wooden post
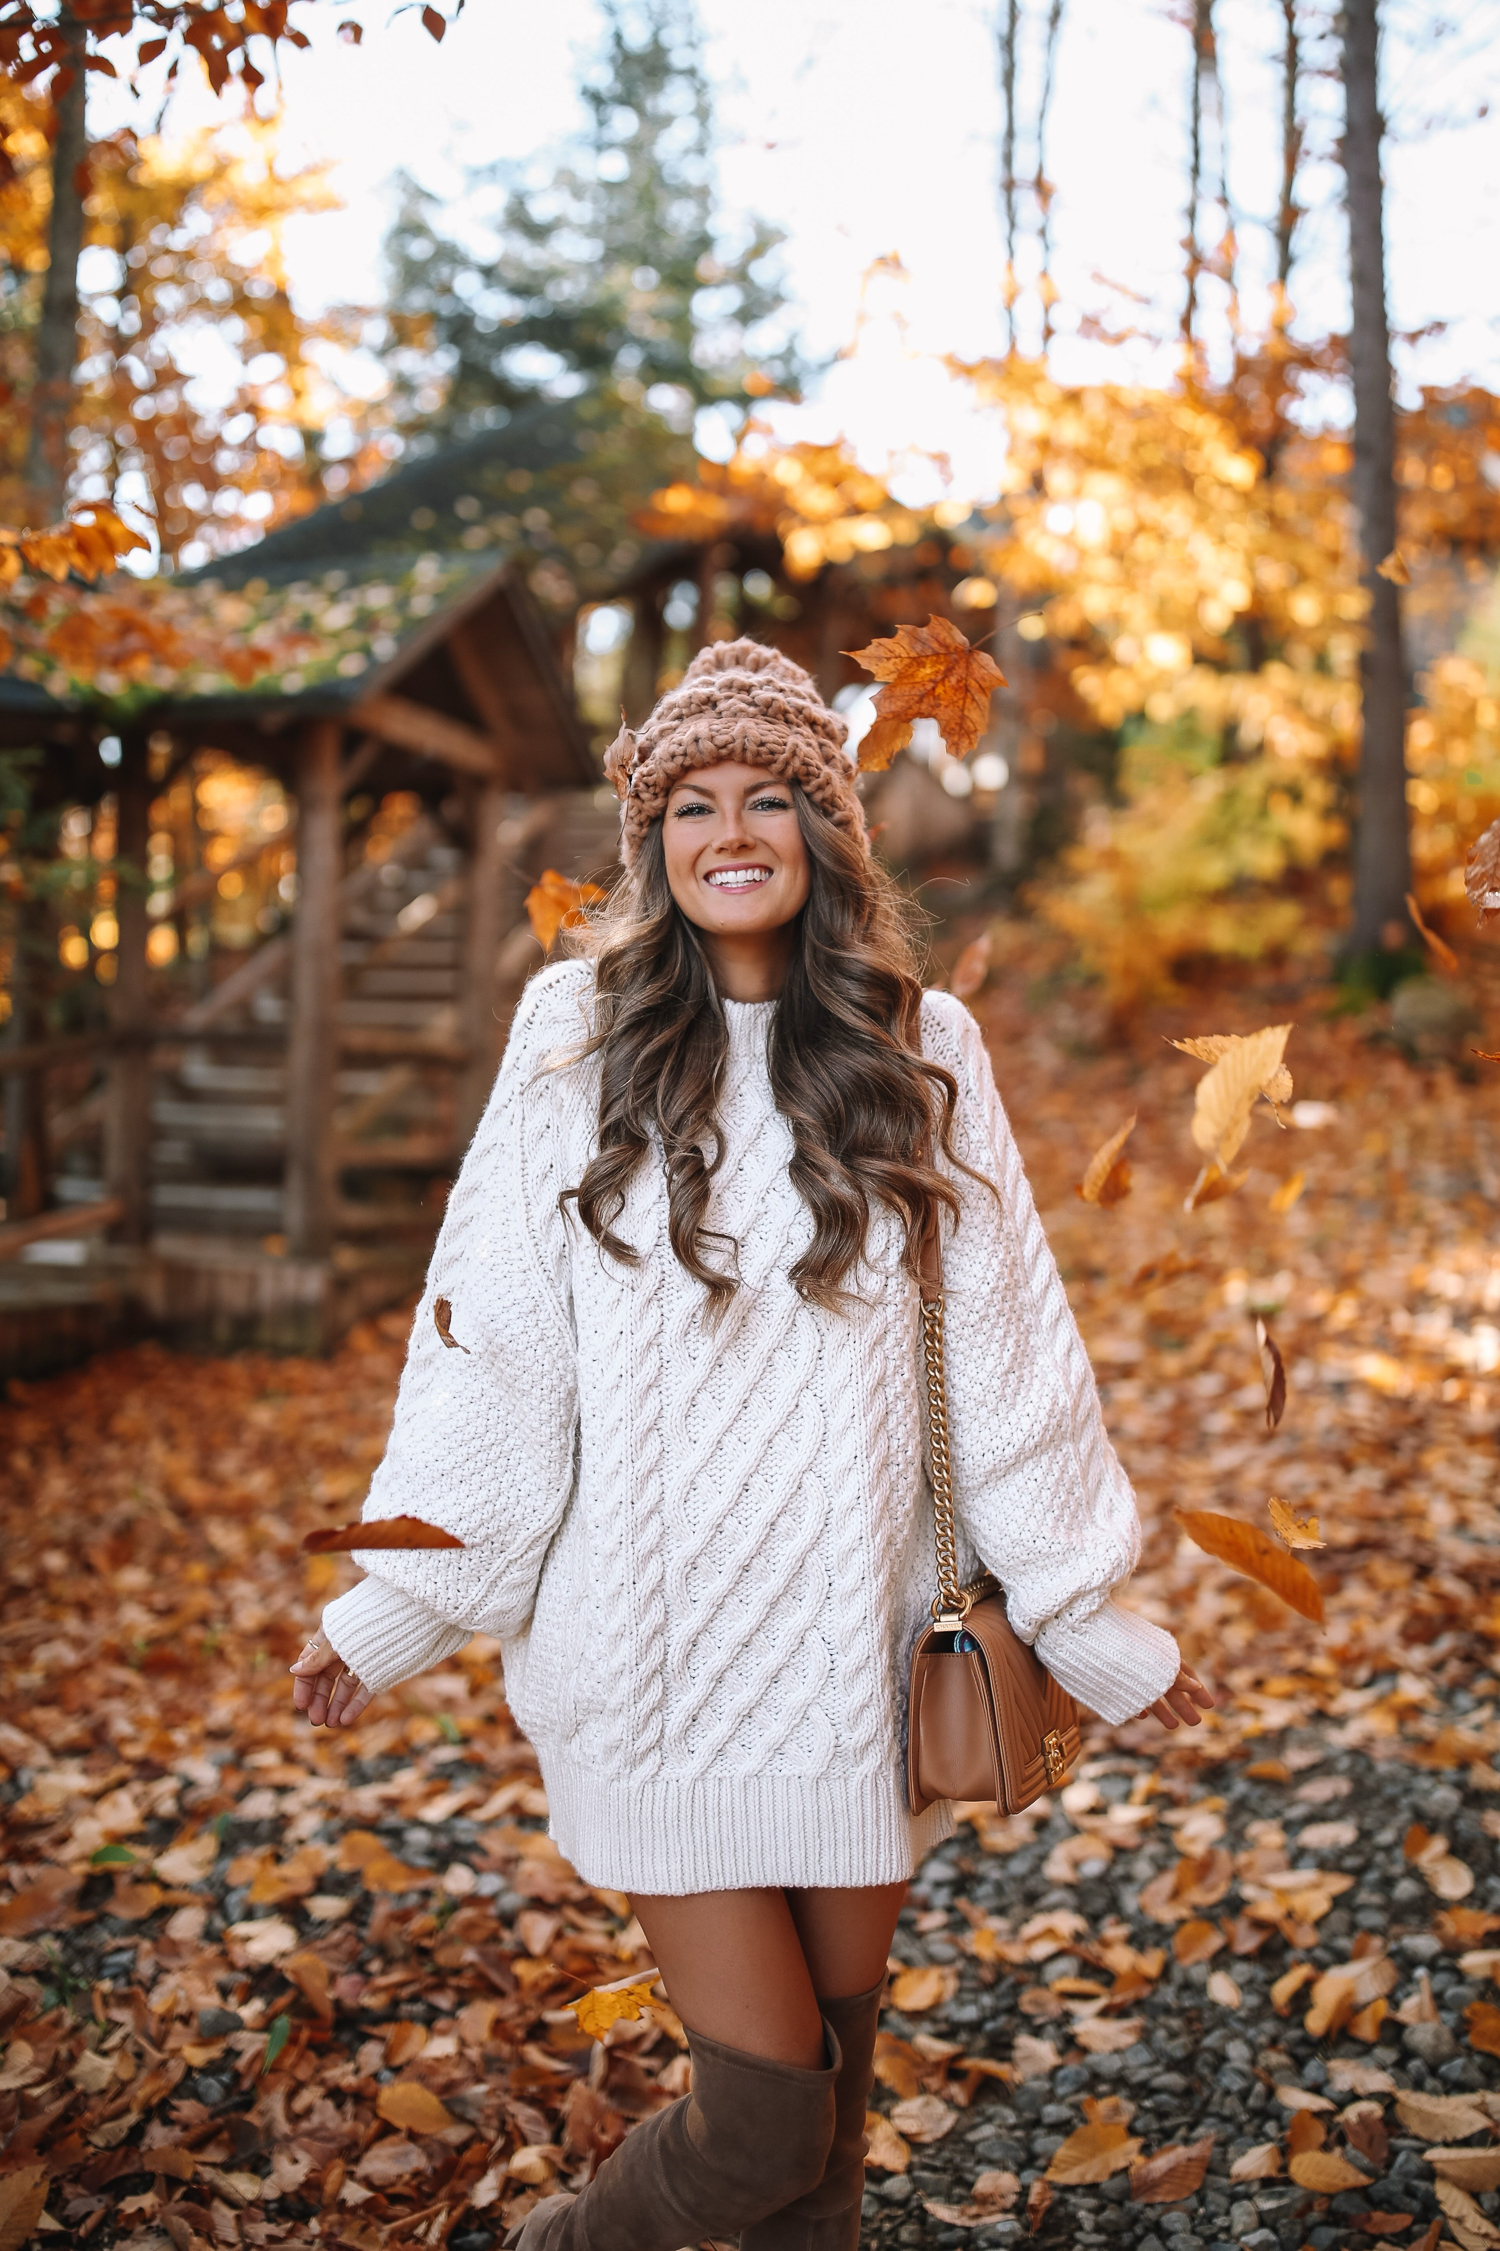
column 312, row 1047
column 127, row 1100
column 489, row 882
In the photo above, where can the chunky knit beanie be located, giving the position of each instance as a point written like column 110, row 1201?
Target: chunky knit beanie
column 739, row 700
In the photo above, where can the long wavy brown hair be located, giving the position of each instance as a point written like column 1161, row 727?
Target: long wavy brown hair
column 865, row 1106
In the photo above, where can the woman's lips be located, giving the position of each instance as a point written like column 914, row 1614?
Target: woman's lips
column 737, row 879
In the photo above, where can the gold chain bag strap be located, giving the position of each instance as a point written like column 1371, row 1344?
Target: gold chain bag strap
column 986, row 1720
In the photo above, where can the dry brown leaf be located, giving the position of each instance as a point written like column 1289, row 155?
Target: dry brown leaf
column 1107, row 2036
column 972, row 967
column 23, row 2195
column 1306, row 2131
column 1241, row 1070
column 554, row 904
column 378, row 1868
column 442, row 1317
column 1363, row 2126
column 1483, row 2021
column 1211, row 1184
column 1172, row 2173
column 1262, row 2163
column 1107, row 1178
column 1034, row 2058
column 887, row 2152
column 1482, row 874
column 313, row 1979
column 1196, row 1941
column 1250, row 1551
column 1442, row 953
column 1302, row 2098
column 1473, row 2230
column 1038, row 2204
column 924, row 2118
column 1296, row 1531
column 1440, row 2118
column 1477, row 2170
column 1348, row 2076
column 1273, row 1368
column 1325, row 2172
column 1093, row 2153
column 930, row 672
column 411, row 2106
column 1223, row 1991
column 379, row 1532
column 926, row 1987
column 1289, row 1985
column 1394, row 568
column 1283, row 1198
column 1365, row 2023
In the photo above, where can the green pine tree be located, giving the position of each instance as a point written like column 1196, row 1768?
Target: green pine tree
column 615, row 277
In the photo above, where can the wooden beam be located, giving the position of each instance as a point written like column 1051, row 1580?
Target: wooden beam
column 492, row 906
column 414, row 726
column 312, row 1045
column 127, row 1101
column 53, row 1226
column 485, row 692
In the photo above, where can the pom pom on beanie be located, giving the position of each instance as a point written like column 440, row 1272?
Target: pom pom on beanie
column 737, row 700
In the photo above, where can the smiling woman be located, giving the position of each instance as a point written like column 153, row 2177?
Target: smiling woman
column 682, row 1446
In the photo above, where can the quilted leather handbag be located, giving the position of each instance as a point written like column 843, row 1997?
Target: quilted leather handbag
column 986, row 1720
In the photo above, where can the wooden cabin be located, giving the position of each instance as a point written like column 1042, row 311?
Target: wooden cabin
column 268, row 1130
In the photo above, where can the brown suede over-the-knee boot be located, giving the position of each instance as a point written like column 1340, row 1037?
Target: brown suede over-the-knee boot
column 826, row 2218
column 752, row 2135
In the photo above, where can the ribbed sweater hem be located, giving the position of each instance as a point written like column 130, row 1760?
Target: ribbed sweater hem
column 731, row 1832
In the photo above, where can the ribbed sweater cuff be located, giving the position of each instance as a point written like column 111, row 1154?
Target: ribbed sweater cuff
column 384, row 1635
column 1115, row 1662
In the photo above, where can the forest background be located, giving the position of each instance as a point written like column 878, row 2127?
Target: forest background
column 1150, row 497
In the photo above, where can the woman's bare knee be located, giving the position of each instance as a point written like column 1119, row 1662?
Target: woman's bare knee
column 734, row 1970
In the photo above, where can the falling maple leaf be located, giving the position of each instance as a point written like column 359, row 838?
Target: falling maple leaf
column 1394, row 568
column 930, row 672
column 379, row 1532
column 1296, row 1531
column 442, row 1315
column 1283, row 1198
column 1273, row 1368
column 604, row 2005
column 1482, row 875
column 1442, row 953
column 972, row 967
column 1242, row 1068
column 554, row 904
column 1256, row 1556
column 1106, row 1180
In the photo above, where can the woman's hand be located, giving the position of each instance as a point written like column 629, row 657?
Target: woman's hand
column 1183, row 1702
column 323, row 1687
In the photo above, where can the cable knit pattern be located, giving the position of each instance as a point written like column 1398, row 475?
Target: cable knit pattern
column 707, row 1548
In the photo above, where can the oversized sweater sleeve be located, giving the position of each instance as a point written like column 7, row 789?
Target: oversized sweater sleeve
column 1038, row 1488
column 483, row 1441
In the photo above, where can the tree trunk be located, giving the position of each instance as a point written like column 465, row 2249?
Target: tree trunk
column 47, row 455
column 312, row 1048
column 1287, row 209
column 1382, row 864
column 127, row 1110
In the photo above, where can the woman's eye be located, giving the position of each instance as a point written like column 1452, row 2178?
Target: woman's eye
column 683, row 811
column 770, row 805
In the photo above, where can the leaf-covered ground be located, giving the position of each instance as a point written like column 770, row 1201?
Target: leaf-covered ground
column 258, row 1984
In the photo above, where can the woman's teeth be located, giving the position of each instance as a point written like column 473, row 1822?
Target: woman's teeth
column 738, row 879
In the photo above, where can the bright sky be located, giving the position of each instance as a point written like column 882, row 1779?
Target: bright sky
column 868, row 128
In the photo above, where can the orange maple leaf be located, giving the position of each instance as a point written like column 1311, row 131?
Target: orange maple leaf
column 930, row 672
column 553, row 904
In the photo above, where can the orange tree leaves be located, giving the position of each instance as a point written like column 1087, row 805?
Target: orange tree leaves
column 1250, row 1551
column 89, row 544
column 34, row 43
column 930, row 672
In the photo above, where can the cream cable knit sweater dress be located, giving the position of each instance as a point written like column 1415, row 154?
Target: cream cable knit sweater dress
column 707, row 1551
